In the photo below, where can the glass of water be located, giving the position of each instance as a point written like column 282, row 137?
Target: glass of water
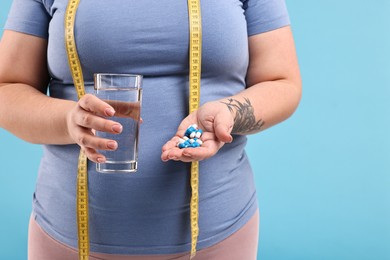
column 124, row 93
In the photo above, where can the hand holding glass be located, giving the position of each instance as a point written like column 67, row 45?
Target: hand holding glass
column 124, row 93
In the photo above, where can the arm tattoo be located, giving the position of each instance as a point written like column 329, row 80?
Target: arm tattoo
column 244, row 119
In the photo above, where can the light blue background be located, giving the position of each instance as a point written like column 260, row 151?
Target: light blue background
column 323, row 176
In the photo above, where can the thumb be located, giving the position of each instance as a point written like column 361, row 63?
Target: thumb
column 223, row 125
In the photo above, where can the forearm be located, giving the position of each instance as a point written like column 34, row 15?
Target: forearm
column 33, row 116
column 263, row 105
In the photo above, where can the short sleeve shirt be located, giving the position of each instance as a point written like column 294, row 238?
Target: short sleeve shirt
column 148, row 212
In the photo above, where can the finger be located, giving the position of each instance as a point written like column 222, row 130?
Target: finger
column 188, row 154
column 88, row 120
column 95, row 105
column 199, row 153
column 171, row 154
column 186, row 159
column 126, row 109
column 223, row 125
column 179, row 156
column 170, row 151
column 94, row 156
column 86, row 139
column 208, row 150
column 170, row 144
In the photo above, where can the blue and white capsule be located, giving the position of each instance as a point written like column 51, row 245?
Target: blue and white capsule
column 197, row 140
column 198, row 133
column 191, row 137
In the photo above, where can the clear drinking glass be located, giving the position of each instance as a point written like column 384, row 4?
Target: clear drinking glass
column 124, row 93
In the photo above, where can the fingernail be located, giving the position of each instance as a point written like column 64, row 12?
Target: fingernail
column 112, row 145
column 100, row 160
column 109, row 111
column 117, row 128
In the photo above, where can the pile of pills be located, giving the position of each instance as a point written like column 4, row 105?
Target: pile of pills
column 191, row 137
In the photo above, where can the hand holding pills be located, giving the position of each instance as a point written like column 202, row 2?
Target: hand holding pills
column 201, row 134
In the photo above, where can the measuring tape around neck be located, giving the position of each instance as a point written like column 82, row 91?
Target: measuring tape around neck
column 195, row 54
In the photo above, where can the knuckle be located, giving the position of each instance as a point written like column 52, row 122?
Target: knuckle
column 107, row 125
column 86, row 100
column 88, row 153
column 82, row 140
column 86, row 119
column 94, row 156
column 91, row 154
column 101, row 145
column 164, row 148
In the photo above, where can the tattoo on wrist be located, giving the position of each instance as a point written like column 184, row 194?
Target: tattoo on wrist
column 244, row 117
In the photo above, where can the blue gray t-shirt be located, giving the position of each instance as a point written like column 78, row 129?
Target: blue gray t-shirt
column 148, row 212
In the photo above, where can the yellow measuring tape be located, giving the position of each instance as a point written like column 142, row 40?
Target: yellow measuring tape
column 195, row 62
column 82, row 173
column 195, row 52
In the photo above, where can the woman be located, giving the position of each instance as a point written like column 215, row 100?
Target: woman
column 250, row 81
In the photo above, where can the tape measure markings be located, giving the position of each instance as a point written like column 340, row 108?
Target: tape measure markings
column 82, row 173
column 194, row 100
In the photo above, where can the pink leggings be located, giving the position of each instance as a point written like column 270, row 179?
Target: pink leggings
column 240, row 245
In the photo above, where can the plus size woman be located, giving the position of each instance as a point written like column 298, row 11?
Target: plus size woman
column 250, row 81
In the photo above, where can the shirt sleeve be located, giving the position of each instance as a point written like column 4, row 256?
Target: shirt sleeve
column 30, row 17
column 265, row 15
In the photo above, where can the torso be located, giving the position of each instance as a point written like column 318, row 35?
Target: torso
column 148, row 212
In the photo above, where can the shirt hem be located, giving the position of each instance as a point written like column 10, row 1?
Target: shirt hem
column 26, row 27
column 156, row 250
column 258, row 28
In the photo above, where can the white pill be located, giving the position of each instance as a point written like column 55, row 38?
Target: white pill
column 185, row 138
column 198, row 134
column 194, row 126
column 181, row 140
column 191, row 140
column 192, row 135
column 199, row 142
